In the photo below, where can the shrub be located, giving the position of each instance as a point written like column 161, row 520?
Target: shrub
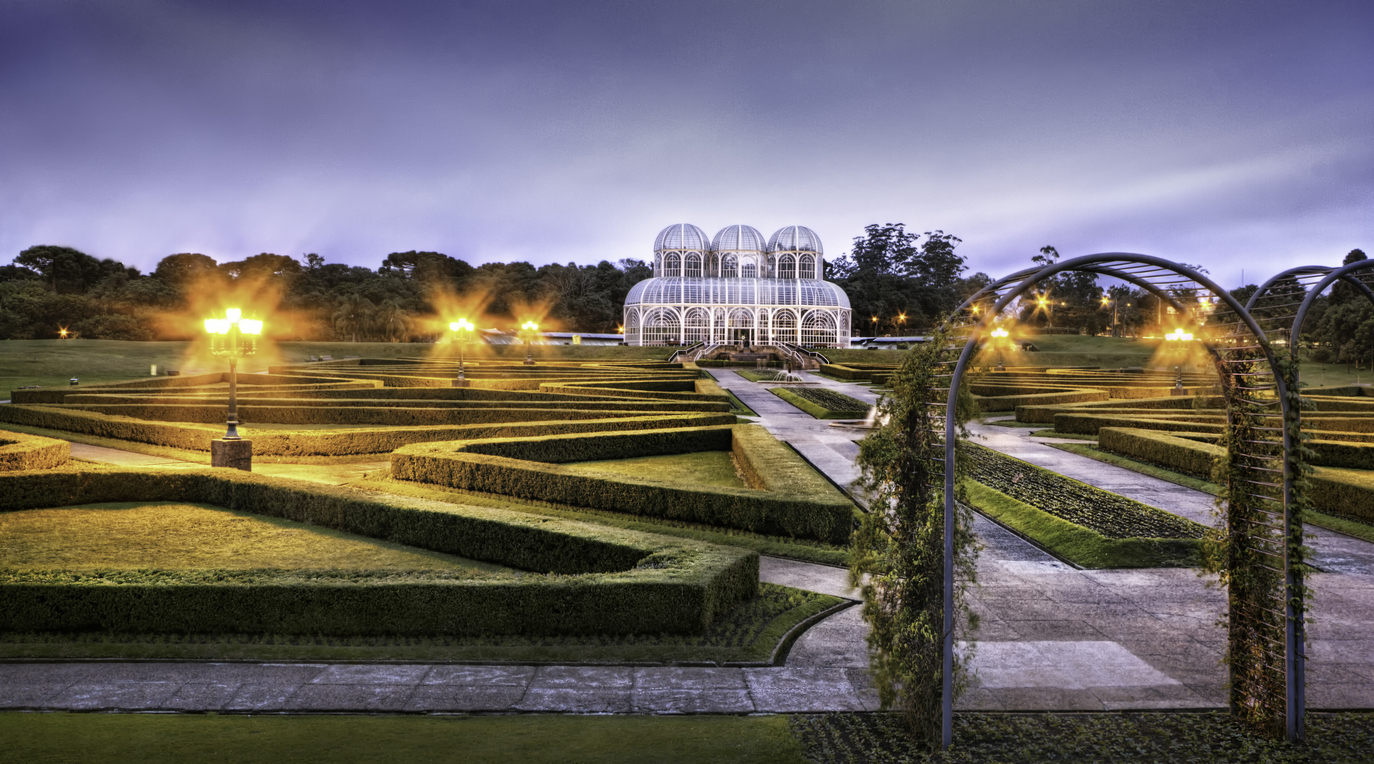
column 19, row 451
column 790, row 499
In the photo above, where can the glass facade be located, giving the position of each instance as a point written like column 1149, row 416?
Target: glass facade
column 737, row 289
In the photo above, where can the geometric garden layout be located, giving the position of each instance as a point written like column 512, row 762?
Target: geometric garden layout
column 556, row 512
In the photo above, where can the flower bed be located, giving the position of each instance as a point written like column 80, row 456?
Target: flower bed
column 1113, row 516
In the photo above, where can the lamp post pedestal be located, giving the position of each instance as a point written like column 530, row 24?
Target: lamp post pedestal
column 235, row 454
column 462, row 383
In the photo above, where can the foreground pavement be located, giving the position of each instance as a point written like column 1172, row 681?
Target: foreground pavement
column 1052, row 637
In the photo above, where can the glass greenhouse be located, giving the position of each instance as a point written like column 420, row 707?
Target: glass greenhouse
column 737, row 288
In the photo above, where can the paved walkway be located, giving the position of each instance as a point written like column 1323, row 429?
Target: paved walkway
column 1052, row 637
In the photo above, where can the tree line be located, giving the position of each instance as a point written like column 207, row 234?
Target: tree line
column 409, row 297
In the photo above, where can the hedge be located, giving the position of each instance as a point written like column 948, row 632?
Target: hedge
column 19, row 451
column 193, row 437
column 601, row 580
column 1009, row 402
column 789, row 500
column 1090, row 424
column 257, row 413
column 90, row 402
column 1168, row 450
column 1333, row 491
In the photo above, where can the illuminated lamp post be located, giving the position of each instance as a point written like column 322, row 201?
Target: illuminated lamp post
column 1178, row 336
column 1001, row 334
column 462, row 334
column 234, row 337
column 529, row 331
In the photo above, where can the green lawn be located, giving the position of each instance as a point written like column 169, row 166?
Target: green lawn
column 716, row 469
column 529, row 739
column 53, row 362
column 171, row 536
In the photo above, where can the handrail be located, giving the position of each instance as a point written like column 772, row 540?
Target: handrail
column 684, row 351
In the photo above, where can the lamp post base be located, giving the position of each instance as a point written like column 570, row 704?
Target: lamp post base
column 462, row 383
column 235, row 454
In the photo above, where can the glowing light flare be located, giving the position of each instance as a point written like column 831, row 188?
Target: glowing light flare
column 62, row 332
column 250, row 326
column 461, row 325
column 530, row 326
column 233, row 314
column 1178, row 335
column 1000, row 333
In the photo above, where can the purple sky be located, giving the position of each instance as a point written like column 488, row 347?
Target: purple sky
column 1231, row 134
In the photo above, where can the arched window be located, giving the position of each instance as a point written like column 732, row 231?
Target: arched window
column 818, row 329
column 632, row 327
column 787, row 267
column 658, row 264
column 784, row 326
column 661, row 327
column 749, row 269
column 672, row 265
column 807, row 267
column 697, row 326
column 718, row 326
column 740, row 329
column 693, row 265
column 729, row 267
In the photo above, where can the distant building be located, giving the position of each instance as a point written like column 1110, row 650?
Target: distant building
column 737, row 289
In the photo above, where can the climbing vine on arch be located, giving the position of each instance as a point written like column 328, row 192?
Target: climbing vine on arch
column 898, row 554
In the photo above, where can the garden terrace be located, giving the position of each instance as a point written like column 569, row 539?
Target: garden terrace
column 395, row 404
column 579, row 579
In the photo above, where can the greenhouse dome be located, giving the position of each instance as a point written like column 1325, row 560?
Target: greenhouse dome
column 738, row 289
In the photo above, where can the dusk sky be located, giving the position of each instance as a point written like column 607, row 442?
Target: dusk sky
column 1230, row 134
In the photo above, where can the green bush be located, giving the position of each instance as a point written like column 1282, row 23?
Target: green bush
column 791, row 500
column 599, row 579
column 1090, row 424
column 1169, row 450
column 19, row 451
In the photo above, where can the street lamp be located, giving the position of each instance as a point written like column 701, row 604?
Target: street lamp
column 528, row 331
column 462, row 334
column 225, row 334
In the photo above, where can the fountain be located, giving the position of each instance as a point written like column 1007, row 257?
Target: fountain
column 873, row 419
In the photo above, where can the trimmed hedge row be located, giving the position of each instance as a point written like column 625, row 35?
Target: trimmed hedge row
column 1011, row 402
column 604, row 580
column 20, row 451
column 89, row 402
column 1335, row 491
column 256, row 413
column 1090, row 424
column 791, row 499
column 192, row 437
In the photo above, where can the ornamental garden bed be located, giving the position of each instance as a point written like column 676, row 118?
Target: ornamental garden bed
column 577, row 579
column 1085, row 525
column 823, row 403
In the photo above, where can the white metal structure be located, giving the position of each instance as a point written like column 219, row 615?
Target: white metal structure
column 737, row 289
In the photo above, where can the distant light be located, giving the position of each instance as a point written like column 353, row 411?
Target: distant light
column 1178, row 335
column 1000, row 333
column 233, row 314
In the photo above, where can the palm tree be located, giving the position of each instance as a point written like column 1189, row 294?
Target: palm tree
column 391, row 319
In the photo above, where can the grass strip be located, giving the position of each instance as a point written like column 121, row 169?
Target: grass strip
column 1081, row 546
column 749, row 633
column 1120, row 738
column 530, row 739
column 1348, row 526
column 1050, row 432
column 815, row 409
column 774, row 546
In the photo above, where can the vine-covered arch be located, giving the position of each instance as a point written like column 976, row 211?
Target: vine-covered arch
column 1259, row 556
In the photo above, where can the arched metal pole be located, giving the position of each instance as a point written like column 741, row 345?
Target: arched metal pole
column 1294, row 706
column 1339, row 274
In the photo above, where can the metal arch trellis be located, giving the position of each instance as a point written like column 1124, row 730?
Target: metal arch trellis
column 1281, row 303
column 1262, row 566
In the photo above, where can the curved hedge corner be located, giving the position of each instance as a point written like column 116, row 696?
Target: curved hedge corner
column 584, row 579
column 19, row 451
column 787, row 497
